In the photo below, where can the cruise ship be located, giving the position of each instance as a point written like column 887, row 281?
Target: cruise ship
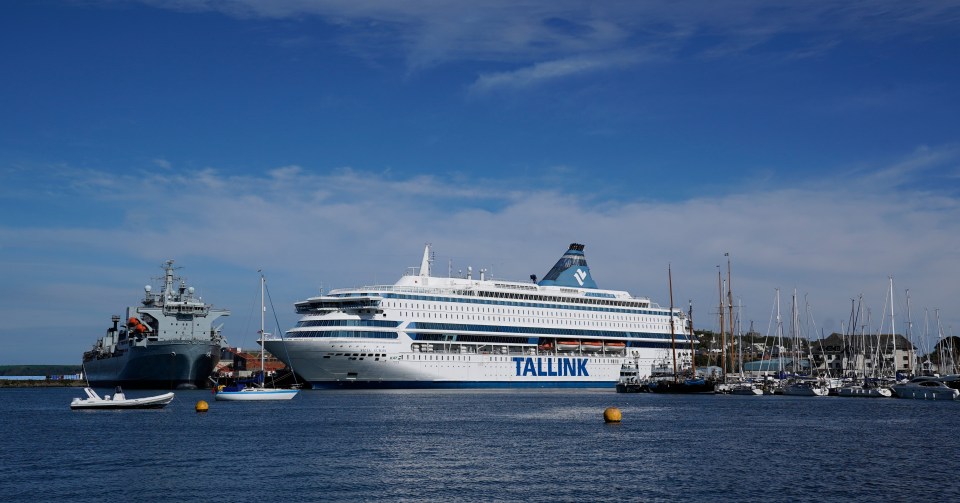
column 167, row 342
column 460, row 332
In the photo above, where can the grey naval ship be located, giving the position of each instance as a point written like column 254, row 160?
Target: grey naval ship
column 168, row 342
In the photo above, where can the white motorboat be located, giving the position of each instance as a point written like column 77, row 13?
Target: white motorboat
column 925, row 388
column 120, row 401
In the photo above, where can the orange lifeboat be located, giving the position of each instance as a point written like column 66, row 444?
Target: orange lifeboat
column 134, row 325
column 592, row 345
column 568, row 345
column 615, row 346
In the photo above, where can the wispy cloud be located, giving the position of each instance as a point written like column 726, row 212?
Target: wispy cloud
column 345, row 227
column 547, row 71
column 556, row 37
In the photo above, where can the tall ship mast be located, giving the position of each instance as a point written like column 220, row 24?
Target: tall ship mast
column 167, row 342
column 426, row 331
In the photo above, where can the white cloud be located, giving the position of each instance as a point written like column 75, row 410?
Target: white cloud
column 547, row 71
column 348, row 227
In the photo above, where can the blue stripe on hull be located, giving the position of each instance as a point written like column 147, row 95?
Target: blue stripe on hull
column 458, row 384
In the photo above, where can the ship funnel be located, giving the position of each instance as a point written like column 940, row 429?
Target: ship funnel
column 571, row 270
column 425, row 263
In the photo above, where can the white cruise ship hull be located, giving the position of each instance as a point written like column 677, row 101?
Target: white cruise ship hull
column 326, row 365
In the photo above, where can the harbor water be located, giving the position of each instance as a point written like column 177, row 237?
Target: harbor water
column 480, row 445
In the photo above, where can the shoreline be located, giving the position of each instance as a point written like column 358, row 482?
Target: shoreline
column 47, row 383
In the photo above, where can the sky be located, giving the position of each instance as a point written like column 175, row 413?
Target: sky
column 814, row 145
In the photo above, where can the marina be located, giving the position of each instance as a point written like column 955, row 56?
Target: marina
column 563, row 331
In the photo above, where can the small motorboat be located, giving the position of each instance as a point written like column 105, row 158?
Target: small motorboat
column 119, row 401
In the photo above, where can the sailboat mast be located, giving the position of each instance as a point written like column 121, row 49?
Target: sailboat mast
column 263, row 371
column 913, row 369
column 673, row 337
column 893, row 331
column 794, row 331
column 693, row 353
column 723, row 335
column 733, row 362
column 740, row 334
column 779, row 336
column 940, row 342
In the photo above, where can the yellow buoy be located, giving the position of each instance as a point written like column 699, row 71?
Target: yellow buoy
column 202, row 406
column 612, row 415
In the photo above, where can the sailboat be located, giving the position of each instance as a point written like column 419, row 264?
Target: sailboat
column 799, row 385
column 680, row 384
column 258, row 391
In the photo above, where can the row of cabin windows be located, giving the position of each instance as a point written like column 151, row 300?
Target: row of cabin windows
column 562, row 303
column 607, row 320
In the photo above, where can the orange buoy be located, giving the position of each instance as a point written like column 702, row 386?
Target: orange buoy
column 612, row 415
column 202, row 406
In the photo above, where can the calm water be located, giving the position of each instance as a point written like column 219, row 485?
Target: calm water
column 480, row 446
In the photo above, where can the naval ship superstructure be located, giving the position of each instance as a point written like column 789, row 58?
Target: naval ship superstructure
column 167, row 342
column 427, row 331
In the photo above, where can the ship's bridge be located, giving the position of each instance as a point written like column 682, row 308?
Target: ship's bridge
column 186, row 308
column 329, row 303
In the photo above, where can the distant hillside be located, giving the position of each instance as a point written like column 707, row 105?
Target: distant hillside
column 39, row 370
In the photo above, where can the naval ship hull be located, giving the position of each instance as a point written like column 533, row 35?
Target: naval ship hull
column 183, row 364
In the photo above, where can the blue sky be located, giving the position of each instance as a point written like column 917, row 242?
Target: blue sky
column 326, row 141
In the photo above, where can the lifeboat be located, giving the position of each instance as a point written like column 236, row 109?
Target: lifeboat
column 134, row 325
column 568, row 345
column 545, row 346
column 615, row 347
column 592, row 345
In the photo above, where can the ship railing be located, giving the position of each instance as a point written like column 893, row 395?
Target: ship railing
column 185, row 309
column 505, row 349
column 393, row 288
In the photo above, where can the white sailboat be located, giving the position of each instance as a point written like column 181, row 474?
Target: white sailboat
column 864, row 391
column 805, row 387
column 747, row 388
column 259, row 391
